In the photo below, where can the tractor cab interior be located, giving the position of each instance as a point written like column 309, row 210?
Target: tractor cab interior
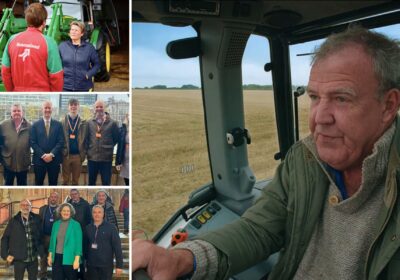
column 223, row 29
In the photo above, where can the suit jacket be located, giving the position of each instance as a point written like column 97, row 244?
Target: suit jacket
column 41, row 144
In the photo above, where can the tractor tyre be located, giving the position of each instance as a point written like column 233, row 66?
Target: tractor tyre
column 105, row 63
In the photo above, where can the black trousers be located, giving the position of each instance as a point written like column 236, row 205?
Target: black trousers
column 52, row 169
column 31, row 267
column 9, row 176
column 102, row 167
column 99, row 273
column 62, row 272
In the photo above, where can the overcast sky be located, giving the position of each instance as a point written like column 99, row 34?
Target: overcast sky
column 152, row 66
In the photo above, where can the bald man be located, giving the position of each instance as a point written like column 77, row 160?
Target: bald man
column 47, row 142
column 48, row 216
column 103, row 135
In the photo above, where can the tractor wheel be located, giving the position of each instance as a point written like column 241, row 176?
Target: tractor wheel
column 105, row 63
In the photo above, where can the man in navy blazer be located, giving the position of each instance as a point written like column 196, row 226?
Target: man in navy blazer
column 47, row 142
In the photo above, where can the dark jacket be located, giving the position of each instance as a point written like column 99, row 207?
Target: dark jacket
column 15, row 147
column 41, row 144
column 13, row 241
column 78, row 62
column 42, row 213
column 82, row 131
column 121, row 145
column 101, row 149
column 108, row 245
column 82, row 212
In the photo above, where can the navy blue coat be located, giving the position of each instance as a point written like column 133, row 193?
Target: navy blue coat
column 108, row 246
column 41, row 144
column 78, row 61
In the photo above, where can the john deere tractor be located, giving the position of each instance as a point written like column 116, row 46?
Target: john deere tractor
column 98, row 15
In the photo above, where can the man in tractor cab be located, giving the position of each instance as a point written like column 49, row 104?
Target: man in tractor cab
column 31, row 61
column 332, row 209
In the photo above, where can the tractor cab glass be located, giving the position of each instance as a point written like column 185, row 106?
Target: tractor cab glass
column 171, row 158
column 70, row 9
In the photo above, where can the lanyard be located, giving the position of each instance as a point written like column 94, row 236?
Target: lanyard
column 23, row 221
column 95, row 235
column 51, row 212
column 76, row 123
column 99, row 127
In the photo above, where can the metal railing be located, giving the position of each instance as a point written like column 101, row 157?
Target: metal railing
column 8, row 210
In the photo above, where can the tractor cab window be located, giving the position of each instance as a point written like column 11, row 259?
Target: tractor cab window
column 85, row 13
column 70, row 8
column 171, row 158
column 259, row 108
column 300, row 60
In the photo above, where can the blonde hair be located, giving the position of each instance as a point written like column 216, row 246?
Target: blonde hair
column 80, row 24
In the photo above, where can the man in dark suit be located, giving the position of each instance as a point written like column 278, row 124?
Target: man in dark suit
column 48, row 216
column 47, row 142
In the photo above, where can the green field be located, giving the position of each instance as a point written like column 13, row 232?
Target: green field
column 170, row 152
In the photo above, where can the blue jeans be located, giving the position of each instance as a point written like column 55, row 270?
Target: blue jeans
column 102, row 167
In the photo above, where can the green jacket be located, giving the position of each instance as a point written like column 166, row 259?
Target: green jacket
column 15, row 147
column 82, row 132
column 284, row 217
column 72, row 241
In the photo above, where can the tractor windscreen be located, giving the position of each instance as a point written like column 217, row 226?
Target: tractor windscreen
column 69, row 8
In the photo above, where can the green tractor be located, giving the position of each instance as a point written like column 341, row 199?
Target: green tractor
column 99, row 17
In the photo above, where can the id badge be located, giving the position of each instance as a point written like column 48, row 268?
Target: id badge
column 51, row 220
column 98, row 135
column 94, row 246
column 72, row 136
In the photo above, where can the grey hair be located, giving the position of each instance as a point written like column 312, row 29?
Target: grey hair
column 385, row 53
column 65, row 204
column 27, row 200
column 97, row 206
column 18, row 105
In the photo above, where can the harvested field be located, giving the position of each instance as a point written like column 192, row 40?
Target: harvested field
column 170, row 152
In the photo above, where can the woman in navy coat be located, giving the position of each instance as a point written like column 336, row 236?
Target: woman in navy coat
column 80, row 60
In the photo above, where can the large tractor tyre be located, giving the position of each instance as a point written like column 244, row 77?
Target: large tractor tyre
column 105, row 63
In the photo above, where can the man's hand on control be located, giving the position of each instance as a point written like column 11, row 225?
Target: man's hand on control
column 160, row 263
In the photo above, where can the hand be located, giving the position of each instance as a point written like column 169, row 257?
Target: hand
column 47, row 158
column 76, row 265
column 118, row 271
column 118, row 167
column 49, row 262
column 10, row 259
column 161, row 264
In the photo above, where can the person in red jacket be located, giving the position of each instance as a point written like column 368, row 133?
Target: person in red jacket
column 124, row 209
column 31, row 61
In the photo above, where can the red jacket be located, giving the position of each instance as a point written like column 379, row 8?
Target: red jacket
column 124, row 204
column 31, row 62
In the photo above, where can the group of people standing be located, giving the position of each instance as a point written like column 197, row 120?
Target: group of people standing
column 67, row 143
column 77, row 239
column 32, row 61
